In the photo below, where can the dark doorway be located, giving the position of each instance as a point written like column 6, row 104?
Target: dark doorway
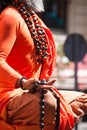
column 55, row 13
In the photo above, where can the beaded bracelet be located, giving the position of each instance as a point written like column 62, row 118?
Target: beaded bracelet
column 21, row 81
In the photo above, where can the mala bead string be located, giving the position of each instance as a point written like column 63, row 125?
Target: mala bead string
column 57, row 116
column 42, row 102
column 40, row 42
column 57, row 113
column 42, row 108
column 37, row 32
column 42, row 105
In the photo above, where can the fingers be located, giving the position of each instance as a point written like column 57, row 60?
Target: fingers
column 36, row 84
column 51, row 82
column 47, row 87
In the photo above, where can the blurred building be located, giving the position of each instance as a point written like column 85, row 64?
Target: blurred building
column 77, row 16
column 66, row 17
column 69, row 15
column 55, row 13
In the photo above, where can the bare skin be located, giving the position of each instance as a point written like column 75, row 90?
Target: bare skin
column 28, row 84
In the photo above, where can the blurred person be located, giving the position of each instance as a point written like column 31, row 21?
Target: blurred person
column 28, row 99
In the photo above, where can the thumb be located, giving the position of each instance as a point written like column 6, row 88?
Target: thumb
column 51, row 82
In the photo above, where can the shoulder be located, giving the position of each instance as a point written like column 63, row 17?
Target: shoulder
column 10, row 12
column 11, row 16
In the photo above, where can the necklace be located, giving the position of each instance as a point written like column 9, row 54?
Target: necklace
column 42, row 105
column 42, row 112
column 37, row 32
column 42, row 108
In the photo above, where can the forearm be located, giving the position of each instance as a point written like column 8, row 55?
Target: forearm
column 7, row 74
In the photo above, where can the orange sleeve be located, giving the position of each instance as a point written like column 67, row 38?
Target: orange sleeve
column 8, row 33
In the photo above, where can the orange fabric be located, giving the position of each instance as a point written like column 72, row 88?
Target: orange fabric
column 34, row 127
column 66, row 114
column 5, row 126
column 17, row 58
column 79, row 107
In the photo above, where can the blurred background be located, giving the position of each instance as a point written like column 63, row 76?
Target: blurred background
column 68, row 21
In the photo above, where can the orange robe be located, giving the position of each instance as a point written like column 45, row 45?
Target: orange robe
column 18, row 58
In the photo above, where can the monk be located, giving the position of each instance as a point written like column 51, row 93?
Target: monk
column 28, row 99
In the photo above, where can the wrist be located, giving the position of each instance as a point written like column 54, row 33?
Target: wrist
column 21, row 82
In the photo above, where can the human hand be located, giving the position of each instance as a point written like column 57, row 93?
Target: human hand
column 29, row 83
column 42, row 84
column 51, row 82
column 34, row 85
